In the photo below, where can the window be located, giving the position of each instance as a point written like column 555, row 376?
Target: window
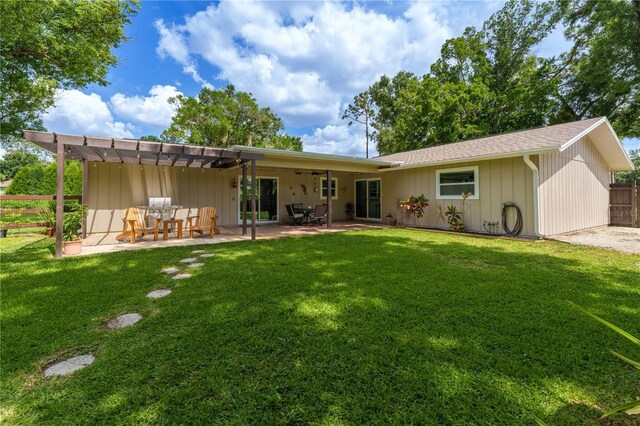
column 334, row 188
column 451, row 183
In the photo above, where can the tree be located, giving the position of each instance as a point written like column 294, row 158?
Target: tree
column 226, row 117
column 15, row 160
column 40, row 179
column 361, row 111
column 152, row 138
column 600, row 74
column 624, row 177
column 52, row 45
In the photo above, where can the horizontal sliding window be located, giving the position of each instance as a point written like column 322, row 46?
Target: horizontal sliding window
column 452, row 183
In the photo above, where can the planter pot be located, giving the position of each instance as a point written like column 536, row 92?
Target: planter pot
column 393, row 222
column 72, row 247
column 3, row 233
column 50, row 231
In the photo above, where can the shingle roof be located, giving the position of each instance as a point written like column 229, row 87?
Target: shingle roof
column 543, row 138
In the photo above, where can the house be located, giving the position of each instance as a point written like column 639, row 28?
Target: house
column 558, row 176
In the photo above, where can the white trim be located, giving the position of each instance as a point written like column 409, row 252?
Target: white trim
column 582, row 134
column 470, row 159
column 536, row 195
column 277, row 179
column 355, row 200
column 324, row 197
column 314, row 156
column 476, row 184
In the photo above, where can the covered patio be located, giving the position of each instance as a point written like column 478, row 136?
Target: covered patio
column 248, row 186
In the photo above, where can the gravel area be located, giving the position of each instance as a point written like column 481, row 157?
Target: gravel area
column 626, row 240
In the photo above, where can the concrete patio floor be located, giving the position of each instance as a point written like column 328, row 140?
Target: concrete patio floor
column 106, row 242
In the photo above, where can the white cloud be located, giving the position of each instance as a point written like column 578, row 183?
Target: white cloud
column 78, row 113
column 340, row 139
column 305, row 59
column 153, row 110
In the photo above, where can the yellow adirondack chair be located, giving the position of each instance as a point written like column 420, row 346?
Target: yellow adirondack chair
column 134, row 224
column 205, row 221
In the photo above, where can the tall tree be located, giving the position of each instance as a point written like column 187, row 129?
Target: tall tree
column 15, row 160
column 361, row 111
column 226, row 117
column 600, row 74
column 51, row 45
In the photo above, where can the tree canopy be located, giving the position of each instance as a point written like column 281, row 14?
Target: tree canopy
column 13, row 161
column 226, row 117
column 50, row 45
column 490, row 80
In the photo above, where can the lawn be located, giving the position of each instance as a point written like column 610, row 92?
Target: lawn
column 377, row 326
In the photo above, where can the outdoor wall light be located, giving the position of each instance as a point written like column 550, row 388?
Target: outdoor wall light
column 234, row 183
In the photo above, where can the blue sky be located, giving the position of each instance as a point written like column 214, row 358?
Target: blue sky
column 306, row 60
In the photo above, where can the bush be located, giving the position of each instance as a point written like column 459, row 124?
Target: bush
column 41, row 180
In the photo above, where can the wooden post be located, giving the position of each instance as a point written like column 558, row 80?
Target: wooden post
column 253, row 199
column 59, row 197
column 329, row 200
column 85, row 191
column 244, row 199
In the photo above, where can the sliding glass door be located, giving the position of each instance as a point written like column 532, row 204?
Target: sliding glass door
column 368, row 199
column 266, row 199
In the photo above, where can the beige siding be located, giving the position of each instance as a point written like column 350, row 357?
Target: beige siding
column 574, row 189
column 499, row 181
column 114, row 187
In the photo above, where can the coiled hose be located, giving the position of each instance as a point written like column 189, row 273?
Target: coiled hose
column 517, row 227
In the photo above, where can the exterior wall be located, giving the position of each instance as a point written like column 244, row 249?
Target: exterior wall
column 574, row 189
column 114, row 187
column 501, row 180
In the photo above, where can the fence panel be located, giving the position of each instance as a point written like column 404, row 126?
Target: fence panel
column 623, row 204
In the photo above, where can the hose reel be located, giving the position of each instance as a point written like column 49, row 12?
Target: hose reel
column 517, row 227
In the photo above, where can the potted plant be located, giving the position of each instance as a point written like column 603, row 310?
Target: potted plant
column 8, row 220
column 71, row 226
column 392, row 221
column 3, row 227
column 48, row 218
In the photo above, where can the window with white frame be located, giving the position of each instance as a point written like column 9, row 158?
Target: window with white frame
column 334, row 188
column 452, row 183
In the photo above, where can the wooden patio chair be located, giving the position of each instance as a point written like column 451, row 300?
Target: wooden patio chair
column 205, row 221
column 296, row 218
column 135, row 225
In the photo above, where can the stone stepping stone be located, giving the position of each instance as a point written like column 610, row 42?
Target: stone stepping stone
column 195, row 265
column 207, row 255
column 170, row 271
column 181, row 276
column 188, row 260
column 125, row 320
column 198, row 251
column 70, row 365
column 157, row 294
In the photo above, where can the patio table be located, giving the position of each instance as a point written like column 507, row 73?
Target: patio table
column 307, row 213
column 165, row 228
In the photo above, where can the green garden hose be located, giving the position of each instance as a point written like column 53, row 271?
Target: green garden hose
column 517, row 227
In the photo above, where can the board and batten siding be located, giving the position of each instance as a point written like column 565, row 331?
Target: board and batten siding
column 114, row 187
column 574, row 189
column 500, row 181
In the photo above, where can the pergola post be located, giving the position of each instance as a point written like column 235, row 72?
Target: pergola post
column 253, row 199
column 329, row 200
column 59, row 197
column 85, row 193
column 244, row 199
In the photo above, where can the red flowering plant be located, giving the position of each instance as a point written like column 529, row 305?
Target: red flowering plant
column 415, row 206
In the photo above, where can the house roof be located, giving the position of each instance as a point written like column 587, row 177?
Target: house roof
column 554, row 138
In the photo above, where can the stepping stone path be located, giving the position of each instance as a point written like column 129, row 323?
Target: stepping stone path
column 70, row 365
column 198, row 251
column 157, row 294
column 188, row 260
column 123, row 321
column 195, row 265
column 181, row 276
column 207, row 255
column 170, row 271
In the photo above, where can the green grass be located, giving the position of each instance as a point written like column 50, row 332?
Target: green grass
column 378, row 326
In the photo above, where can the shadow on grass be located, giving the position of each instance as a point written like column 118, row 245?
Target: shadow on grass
column 374, row 326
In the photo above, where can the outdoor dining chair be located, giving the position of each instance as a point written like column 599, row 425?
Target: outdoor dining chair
column 296, row 218
column 204, row 221
column 135, row 225
column 319, row 215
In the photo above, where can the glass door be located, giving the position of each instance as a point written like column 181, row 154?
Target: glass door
column 266, row 199
column 368, row 199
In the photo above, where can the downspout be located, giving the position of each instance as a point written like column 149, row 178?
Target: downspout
column 536, row 195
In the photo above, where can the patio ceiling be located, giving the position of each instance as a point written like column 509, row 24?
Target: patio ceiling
column 130, row 151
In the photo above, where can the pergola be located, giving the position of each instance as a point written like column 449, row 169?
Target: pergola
column 131, row 151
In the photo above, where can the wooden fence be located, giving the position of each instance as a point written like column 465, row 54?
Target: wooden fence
column 29, row 217
column 624, row 204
